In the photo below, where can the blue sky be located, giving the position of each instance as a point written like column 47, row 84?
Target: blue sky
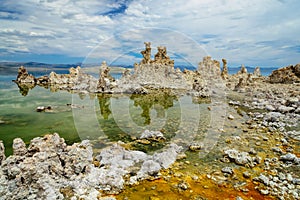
column 250, row 32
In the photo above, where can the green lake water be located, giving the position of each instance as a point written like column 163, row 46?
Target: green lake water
column 100, row 118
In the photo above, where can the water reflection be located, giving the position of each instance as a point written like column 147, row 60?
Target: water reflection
column 160, row 102
column 114, row 117
column 24, row 88
column 104, row 103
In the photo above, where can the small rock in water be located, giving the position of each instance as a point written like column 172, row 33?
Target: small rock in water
column 195, row 147
column 264, row 192
column 231, row 117
column 40, row 109
column 277, row 150
column 252, row 151
column 263, row 179
column 183, row 185
column 246, row 175
column 270, row 108
column 285, row 109
column 43, row 108
column 288, row 157
column 227, row 170
column 152, row 135
column 240, row 158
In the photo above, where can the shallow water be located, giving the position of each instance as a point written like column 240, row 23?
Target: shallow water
column 109, row 118
column 19, row 117
column 102, row 118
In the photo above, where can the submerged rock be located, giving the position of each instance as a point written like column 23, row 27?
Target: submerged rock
column 43, row 108
column 152, row 135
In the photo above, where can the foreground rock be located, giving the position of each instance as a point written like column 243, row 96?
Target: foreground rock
column 242, row 158
column 50, row 169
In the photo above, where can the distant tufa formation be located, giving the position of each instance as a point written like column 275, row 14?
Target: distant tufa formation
column 158, row 73
column 289, row 74
column 160, row 57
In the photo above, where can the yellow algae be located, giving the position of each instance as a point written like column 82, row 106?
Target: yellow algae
column 200, row 188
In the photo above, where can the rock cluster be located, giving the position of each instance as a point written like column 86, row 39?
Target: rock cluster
column 46, row 167
column 242, row 158
column 24, row 77
column 282, row 185
column 152, row 135
column 289, row 74
column 149, row 74
column 50, row 169
column 152, row 74
column 209, row 69
column 106, row 82
column 159, row 73
column 71, row 78
column 279, row 114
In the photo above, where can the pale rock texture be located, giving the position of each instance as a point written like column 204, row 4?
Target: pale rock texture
column 256, row 72
column 209, row 69
column 289, row 74
column 24, row 77
column 106, row 82
column 152, row 74
column 151, row 135
column 19, row 147
column 51, row 169
column 241, row 158
column 224, row 72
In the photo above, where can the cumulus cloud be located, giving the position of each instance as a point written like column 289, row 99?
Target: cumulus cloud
column 251, row 32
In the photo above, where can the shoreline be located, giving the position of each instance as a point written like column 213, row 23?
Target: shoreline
column 262, row 128
column 256, row 154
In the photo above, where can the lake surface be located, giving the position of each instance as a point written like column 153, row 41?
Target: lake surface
column 99, row 117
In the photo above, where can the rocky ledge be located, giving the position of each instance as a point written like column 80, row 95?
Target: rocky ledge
column 51, row 169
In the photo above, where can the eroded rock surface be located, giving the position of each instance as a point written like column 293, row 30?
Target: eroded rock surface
column 24, row 76
column 152, row 74
column 51, row 169
column 106, row 82
column 290, row 74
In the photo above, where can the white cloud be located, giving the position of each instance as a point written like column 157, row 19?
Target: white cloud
column 252, row 32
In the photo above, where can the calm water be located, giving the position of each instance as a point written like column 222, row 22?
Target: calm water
column 103, row 118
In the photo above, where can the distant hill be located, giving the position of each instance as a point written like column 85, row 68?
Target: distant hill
column 36, row 65
column 37, row 69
